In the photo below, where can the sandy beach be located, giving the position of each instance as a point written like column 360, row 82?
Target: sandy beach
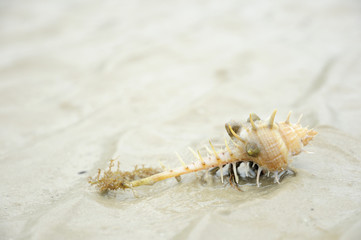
column 84, row 82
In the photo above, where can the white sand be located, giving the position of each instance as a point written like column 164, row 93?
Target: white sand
column 84, row 81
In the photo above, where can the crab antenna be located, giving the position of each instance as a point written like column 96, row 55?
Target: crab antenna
column 252, row 122
column 272, row 118
column 235, row 134
column 288, row 117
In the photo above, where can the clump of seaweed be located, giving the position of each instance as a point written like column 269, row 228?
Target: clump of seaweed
column 114, row 180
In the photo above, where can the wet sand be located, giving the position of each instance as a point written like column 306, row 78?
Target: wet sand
column 84, row 82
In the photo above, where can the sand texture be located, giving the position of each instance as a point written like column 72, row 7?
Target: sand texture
column 82, row 82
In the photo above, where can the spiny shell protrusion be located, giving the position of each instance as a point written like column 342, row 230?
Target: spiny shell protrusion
column 235, row 126
column 254, row 128
column 254, row 117
column 288, row 117
column 233, row 134
column 272, row 119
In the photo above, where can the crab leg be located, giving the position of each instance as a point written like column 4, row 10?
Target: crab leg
column 258, row 174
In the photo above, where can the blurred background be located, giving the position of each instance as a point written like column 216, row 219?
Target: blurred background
column 82, row 82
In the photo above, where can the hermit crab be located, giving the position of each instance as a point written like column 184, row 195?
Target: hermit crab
column 263, row 146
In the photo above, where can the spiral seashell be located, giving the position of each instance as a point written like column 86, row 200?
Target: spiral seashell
column 271, row 145
column 264, row 143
